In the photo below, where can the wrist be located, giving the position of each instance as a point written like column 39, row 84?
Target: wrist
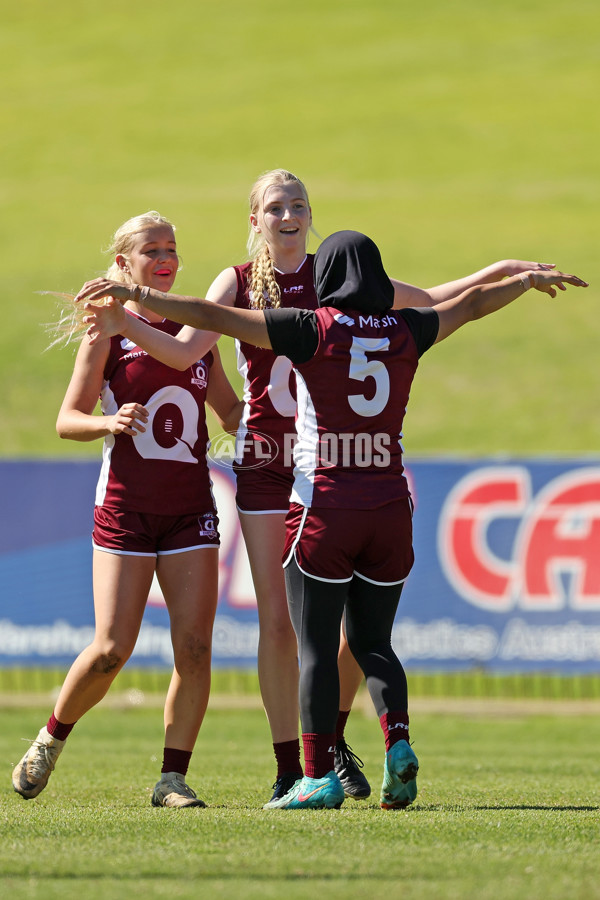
column 138, row 294
column 526, row 280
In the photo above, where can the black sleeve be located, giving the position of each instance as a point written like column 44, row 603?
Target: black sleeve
column 424, row 324
column 293, row 333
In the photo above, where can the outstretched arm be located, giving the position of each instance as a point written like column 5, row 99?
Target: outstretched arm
column 178, row 351
column 406, row 295
column 480, row 301
column 245, row 324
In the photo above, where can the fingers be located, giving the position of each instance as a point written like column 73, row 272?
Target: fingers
column 550, row 282
column 102, row 287
column 570, row 279
column 578, row 282
column 131, row 419
column 88, row 288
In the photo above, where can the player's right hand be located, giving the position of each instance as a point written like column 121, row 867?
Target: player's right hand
column 130, row 419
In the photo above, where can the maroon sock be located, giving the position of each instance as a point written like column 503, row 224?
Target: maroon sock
column 287, row 754
column 59, row 730
column 319, row 754
column 176, row 760
column 395, row 728
column 341, row 723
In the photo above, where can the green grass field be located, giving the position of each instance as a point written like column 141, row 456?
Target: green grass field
column 508, row 808
column 454, row 134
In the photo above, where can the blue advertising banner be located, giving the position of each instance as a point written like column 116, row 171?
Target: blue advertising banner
column 506, row 577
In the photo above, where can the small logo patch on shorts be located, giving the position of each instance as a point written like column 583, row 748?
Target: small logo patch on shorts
column 207, row 527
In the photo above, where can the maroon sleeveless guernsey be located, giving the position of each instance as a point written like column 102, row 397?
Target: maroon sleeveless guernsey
column 163, row 470
column 352, row 397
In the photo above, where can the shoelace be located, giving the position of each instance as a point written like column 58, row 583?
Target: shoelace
column 42, row 758
column 348, row 756
column 286, row 779
column 182, row 788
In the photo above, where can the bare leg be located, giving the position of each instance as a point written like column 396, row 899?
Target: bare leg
column 121, row 586
column 189, row 584
column 277, row 647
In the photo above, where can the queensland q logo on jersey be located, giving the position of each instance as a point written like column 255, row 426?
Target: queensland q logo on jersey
column 200, row 374
column 553, row 560
column 251, row 449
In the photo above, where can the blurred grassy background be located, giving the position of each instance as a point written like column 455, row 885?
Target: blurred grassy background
column 136, row 686
column 454, row 134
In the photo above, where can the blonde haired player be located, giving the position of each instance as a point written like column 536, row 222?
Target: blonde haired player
column 154, row 513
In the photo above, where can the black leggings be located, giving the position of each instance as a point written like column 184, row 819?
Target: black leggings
column 316, row 610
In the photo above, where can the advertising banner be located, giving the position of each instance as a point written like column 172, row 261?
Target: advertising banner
column 506, row 575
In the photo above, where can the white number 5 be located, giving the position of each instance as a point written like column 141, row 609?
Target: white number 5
column 361, row 369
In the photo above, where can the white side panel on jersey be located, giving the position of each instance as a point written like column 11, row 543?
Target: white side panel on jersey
column 306, row 449
column 109, row 407
column 279, row 387
column 242, row 367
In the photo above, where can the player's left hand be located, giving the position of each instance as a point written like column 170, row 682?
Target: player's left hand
column 548, row 281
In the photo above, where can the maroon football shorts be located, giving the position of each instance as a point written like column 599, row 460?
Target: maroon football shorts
column 335, row 544
column 263, row 490
column 146, row 534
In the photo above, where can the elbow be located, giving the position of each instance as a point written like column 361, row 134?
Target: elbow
column 62, row 428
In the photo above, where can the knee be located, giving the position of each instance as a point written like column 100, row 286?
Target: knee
column 109, row 654
column 279, row 632
column 192, row 654
column 361, row 647
column 108, row 662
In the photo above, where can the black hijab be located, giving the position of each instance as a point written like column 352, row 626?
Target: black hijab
column 349, row 274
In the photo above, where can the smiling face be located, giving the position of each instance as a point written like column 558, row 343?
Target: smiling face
column 151, row 258
column 283, row 218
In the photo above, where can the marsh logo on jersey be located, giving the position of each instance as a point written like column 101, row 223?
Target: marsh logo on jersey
column 200, row 374
column 343, row 319
column 207, row 527
column 126, row 344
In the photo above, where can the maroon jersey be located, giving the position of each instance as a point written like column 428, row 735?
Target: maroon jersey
column 353, row 387
column 269, row 389
column 164, row 469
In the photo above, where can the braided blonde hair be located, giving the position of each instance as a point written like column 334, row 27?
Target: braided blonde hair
column 263, row 287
